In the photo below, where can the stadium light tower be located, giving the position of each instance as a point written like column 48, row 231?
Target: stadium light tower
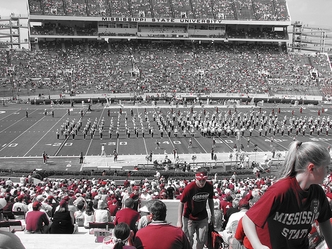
column 11, row 32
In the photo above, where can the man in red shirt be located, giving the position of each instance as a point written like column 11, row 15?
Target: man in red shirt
column 192, row 212
column 36, row 220
column 149, row 237
column 113, row 206
column 128, row 215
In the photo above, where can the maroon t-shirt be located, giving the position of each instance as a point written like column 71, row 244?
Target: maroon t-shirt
column 194, row 199
column 128, row 216
column 35, row 220
column 113, row 208
column 161, row 236
column 285, row 213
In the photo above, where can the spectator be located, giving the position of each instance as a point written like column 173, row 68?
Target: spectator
column 78, row 215
column 102, row 214
column 135, row 196
column 234, row 220
column 7, row 209
column 149, row 236
column 19, row 205
column 145, row 195
column 128, row 215
column 123, row 238
column 88, row 214
column 36, row 221
column 145, row 215
column 226, row 201
column 239, row 239
column 63, row 221
column 234, row 207
column 296, row 194
column 113, row 207
column 192, row 213
column 8, row 240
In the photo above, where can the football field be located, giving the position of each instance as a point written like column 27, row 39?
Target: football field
column 27, row 131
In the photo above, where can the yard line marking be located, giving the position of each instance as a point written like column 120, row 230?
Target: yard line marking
column 7, row 145
column 200, row 145
column 42, row 136
column 91, row 140
column 13, row 123
column 146, row 149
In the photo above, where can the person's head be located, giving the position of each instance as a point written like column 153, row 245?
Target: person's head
column 135, row 189
column 63, row 205
column 201, row 177
column 146, row 208
column 129, row 203
column 243, row 204
column 235, row 202
column 80, row 205
column 158, row 210
column 307, row 157
column 122, row 234
column 36, row 205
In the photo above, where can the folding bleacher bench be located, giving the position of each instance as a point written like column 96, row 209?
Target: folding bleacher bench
column 12, row 225
column 19, row 215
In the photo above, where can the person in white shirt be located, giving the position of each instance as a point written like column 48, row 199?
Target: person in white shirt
column 145, row 196
column 233, row 220
column 19, row 205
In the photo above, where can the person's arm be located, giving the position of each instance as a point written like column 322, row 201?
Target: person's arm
column 239, row 233
column 326, row 229
column 180, row 214
column 211, row 205
column 250, row 230
column 115, row 220
column 72, row 217
column 45, row 219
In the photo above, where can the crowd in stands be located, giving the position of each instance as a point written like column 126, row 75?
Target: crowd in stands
column 76, row 202
column 226, row 9
column 146, row 67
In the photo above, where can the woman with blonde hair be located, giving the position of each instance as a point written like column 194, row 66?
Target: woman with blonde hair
column 283, row 216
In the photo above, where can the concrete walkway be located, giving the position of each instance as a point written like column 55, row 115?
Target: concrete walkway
column 107, row 162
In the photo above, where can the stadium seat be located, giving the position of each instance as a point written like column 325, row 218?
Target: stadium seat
column 15, row 225
column 104, row 225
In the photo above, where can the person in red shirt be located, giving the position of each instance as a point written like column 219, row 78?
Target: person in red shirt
column 192, row 213
column 128, row 215
column 36, row 221
column 149, row 237
column 113, row 206
column 283, row 216
column 226, row 202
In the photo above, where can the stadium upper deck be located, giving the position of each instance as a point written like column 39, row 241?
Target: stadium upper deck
column 260, row 10
column 226, row 20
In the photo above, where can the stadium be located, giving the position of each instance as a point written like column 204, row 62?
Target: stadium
column 124, row 89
